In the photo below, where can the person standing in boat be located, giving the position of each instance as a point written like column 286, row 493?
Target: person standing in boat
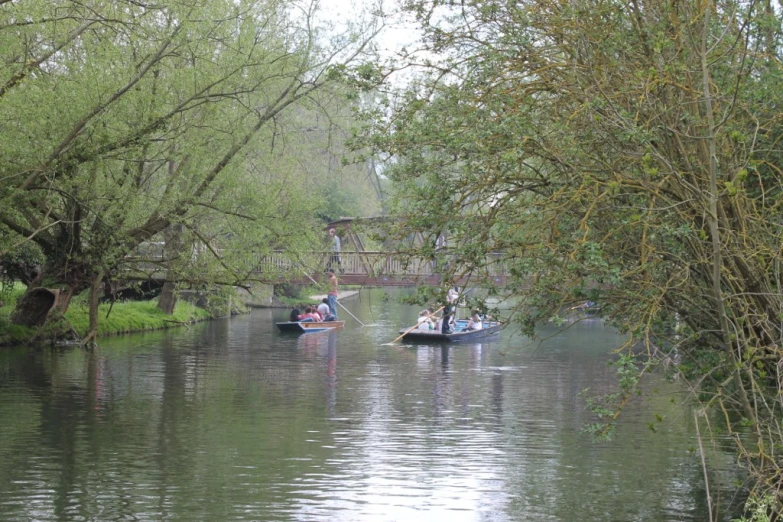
column 453, row 298
column 331, row 297
column 448, row 311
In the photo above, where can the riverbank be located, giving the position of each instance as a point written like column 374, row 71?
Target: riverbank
column 135, row 316
column 119, row 318
column 291, row 302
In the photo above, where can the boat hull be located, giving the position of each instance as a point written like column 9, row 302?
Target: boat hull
column 308, row 327
column 459, row 334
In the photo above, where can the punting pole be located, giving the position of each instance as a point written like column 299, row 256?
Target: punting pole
column 338, row 301
column 409, row 330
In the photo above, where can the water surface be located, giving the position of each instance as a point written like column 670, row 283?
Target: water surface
column 231, row 420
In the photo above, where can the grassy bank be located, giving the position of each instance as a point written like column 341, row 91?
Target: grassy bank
column 304, row 295
column 133, row 316
column 125, row 317
column 11, row 333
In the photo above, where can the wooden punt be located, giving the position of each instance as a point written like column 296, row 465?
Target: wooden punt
column 309, row 327
column 459, row 334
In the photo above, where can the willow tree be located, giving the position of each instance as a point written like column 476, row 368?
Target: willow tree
column 626, row 153
column 121, row 119
column 290, row 180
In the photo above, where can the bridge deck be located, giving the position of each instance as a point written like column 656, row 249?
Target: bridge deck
column 394, row 280
column 358, row 268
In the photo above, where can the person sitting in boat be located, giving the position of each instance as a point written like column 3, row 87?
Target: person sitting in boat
column 424, row 321
column 310, row 316
column 475, row 322
column 323, row 310
column 295, row 316
column 317, row 315
column 438, row 324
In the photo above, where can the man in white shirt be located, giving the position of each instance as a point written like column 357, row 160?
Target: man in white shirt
column 323, row 309
column 453, row 299
column 449, row 310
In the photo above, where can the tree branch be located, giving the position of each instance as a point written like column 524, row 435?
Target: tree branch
column 81, row 124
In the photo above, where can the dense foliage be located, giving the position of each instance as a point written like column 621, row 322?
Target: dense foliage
column 624, row 153
column 129, row 125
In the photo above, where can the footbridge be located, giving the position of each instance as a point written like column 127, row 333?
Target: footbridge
column 375, row 268
column 388, row 266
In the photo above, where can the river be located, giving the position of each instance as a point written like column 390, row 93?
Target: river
column 232, row 420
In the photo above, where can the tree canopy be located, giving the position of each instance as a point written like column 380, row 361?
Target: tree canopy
column 121, row 119
column 624, row 153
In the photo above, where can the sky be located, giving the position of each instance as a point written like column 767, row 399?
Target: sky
column 397, row 33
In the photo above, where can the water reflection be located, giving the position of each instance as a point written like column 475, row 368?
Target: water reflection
column 335, row 426
column 331, row 373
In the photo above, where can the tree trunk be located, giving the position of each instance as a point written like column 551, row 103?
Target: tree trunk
column 173, row 249
column 168, row 298
column 93, row 329
column 38, row 304
column 714, row 226
column 34, row 306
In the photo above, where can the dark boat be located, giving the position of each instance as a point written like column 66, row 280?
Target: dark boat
column 458, row 334
column 309, row 327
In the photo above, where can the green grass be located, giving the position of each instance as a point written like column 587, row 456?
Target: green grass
column 125, row 317
column 306, row 292
column 133, row 316
column 12, row 332
column 10, row 295
column 303, row 296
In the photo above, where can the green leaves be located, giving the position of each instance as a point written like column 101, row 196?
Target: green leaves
column 124, row 121
column 576, row 143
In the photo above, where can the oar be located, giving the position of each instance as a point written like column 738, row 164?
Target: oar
column 336, row 301
column 409, row 330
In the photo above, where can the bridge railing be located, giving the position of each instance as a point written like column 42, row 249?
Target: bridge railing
column 375, row 263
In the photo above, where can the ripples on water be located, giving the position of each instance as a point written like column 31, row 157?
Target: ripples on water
column 233, row 421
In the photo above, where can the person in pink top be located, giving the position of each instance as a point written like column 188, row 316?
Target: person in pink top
column 310, row 316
